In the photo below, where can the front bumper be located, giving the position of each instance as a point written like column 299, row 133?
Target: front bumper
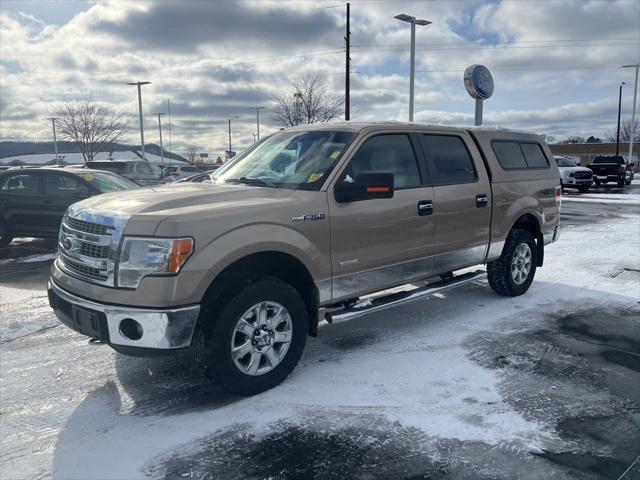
column 577, row 181
column 159, row 329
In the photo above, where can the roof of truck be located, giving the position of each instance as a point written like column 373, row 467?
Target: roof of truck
column 360, row 126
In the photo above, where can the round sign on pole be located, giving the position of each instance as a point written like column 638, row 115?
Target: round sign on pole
column 478, row 81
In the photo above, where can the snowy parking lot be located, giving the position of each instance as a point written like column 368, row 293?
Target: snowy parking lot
column 463, row 384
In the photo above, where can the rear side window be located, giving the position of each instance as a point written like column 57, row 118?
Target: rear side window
column 519, row 155
column 63, row 185
column 20, row 183
column 449, row 159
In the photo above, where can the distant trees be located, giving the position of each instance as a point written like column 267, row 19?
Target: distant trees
column 192, row 155
column 593, row 139
column 307, row 100
column 625, row 132
column 89, row 124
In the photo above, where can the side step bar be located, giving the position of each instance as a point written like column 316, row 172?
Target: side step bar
column 366, row 305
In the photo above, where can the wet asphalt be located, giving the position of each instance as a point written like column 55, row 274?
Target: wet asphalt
column 575, row 370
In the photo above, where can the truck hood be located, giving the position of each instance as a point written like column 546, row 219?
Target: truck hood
column 176, row 198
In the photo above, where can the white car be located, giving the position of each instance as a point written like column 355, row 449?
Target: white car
column 573, row 175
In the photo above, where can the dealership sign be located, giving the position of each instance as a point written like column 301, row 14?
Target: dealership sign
column 479, row 83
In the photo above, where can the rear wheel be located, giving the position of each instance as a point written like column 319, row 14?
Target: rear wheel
column 511, row 275
column 257, row 339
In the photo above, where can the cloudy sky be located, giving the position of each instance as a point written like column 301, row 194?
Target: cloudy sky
column 556, row 64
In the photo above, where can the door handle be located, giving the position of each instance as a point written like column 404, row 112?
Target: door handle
column 482, row 200
column 425, row 207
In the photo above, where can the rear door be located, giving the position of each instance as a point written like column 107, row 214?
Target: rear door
column 23, row 201
column 378, row 243
column 462, row 199
column 61, row 190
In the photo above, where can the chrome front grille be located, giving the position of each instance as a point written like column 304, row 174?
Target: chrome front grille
column 88, row 244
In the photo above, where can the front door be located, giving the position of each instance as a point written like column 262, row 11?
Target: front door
column 462, row 200
column 61, row 190
column 381, row 242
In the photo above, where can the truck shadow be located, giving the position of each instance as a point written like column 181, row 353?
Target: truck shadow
column 152, row 392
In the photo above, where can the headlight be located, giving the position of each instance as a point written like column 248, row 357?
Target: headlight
column 140, row 257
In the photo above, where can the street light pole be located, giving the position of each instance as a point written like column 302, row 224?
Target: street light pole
column 413, row 21
column 633, row 114
column 236, row 116
column 258, row 120
column 139, row 84
column 55, row 141
column 160, row 128
column 619, row 109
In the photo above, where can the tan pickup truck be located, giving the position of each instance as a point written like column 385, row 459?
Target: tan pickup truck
column 298, row 230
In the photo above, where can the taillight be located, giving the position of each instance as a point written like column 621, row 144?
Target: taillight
column 558, row 196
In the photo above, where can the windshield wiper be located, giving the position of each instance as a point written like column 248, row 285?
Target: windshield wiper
column 249, row 181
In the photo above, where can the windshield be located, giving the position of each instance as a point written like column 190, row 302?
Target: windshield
column 108, row 166
column 564, row 162
column 105, row 182
column 289, row 160
column 619, row 160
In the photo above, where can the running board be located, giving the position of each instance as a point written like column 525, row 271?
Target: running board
column 368, row 305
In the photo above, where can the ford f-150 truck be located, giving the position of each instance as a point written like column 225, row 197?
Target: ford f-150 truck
column 296, row 231
column 612, row 168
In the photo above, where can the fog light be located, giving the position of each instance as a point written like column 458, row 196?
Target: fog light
column 131, row 329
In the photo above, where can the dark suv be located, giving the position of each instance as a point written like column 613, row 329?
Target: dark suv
column 33, row 200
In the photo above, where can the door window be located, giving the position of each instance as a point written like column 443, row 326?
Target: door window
column 387, row 153
column 144, row 169
column 64, row 185
column 449, row 160
column 22, row 183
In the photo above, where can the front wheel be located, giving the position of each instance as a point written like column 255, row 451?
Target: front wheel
column 620, row 183
column 257, row 339
column 628, row 182
column 511, row 275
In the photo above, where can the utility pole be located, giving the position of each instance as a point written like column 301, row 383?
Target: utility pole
column 236, row 116
column 169, row 110
column 619, row 109
column 298, row 97
column 347, row 86
column 258, row 120
column 55, row 141
column 413, row 21
column 633, row 115
column 139, row 84
column 160, row 128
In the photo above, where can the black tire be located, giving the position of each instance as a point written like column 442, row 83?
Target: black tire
column 628, row 182
column 620, row 183
column 215, row 356
column 597, row 182
column 583, row 189
column 499, row 271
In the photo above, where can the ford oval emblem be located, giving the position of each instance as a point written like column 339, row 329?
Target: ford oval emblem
column 478, row 81
column 67, row 243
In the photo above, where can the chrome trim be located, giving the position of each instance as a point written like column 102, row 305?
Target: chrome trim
column 162, row 328
column 71, row 240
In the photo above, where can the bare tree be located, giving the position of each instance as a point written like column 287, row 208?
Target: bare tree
column 90, row 125
column 307, row 100
column 625, row 132
column 192, row 155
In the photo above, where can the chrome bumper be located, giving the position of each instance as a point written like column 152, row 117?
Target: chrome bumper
column 159, row 328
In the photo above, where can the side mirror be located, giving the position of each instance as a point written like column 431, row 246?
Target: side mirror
column 632, row 164
column 367, row 186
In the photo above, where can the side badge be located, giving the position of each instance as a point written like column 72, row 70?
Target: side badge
column 308, row 217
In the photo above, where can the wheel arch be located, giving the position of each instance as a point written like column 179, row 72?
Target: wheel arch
column 251, row 267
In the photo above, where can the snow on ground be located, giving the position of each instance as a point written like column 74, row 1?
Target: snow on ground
column 464, row 384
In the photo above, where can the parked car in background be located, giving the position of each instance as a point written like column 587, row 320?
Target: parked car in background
column 573, row 175
column 180, row 171
column 611, row 168
column 139, row 171
column 204, row 177
column 33, row 201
